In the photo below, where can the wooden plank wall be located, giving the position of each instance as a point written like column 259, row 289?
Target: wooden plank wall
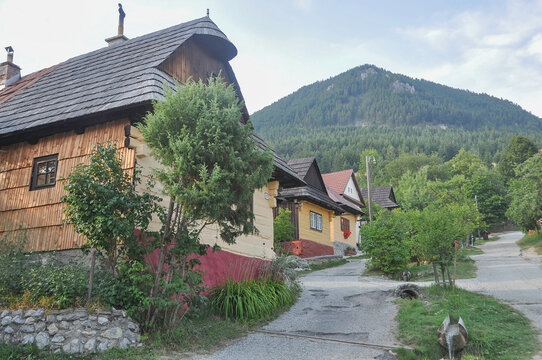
column 37, row 215
column 192, row 60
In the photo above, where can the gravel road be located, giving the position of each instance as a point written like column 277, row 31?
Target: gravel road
column 340, row 315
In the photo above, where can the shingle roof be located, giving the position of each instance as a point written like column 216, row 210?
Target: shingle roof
column 311, row 194
column 382, row 195
column 109, row 78
column 337, row 180
column 301, row 166
column 346, row 204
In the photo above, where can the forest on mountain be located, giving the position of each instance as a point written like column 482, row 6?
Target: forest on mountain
column 370, row 108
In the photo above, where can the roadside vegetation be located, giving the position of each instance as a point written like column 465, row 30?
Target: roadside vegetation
column 496, row 331
column 533, row 240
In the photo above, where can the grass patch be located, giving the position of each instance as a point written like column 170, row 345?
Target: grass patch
column 359, row 257
column 481, row 241
column 496, row 331
column 330, row 264
column 534, row 240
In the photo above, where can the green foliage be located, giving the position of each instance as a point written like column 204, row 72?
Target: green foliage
column 384, row 240
column 516, row 152
column 513, row 338
column 465, row 163
column 128, row 291
column 103, row 205
column 490, row 190
column 13, row 265
column 250, row 299
column 532, row 240
column 66, row 284
column 210, row 167
column 283, row 229
column 526, row 193
column 210, row 164
column 413, row 190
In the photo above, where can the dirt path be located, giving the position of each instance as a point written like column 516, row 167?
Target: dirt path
column 340, row 315
column 510, row 275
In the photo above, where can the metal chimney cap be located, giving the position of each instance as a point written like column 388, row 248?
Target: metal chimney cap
column 9, row 49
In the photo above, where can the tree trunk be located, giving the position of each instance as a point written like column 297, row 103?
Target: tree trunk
column 161, row 260
column 455, row 266
column 449, row 278
column 435, row 271
column 91, row 275
column 443, row 275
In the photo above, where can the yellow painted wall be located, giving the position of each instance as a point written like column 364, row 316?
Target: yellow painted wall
column 258, row 245
column 337, row 233
column 305, row 231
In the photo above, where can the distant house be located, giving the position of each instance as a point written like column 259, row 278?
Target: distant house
column 343, row 188
column 50, row 121
column 313, row 211
column 381, row 195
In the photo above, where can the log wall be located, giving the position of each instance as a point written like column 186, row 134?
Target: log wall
column 37, row 215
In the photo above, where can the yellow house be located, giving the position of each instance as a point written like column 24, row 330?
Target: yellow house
column 343, row 188
column 313, row 211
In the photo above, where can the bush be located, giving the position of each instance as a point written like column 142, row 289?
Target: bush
column 283, row 229
column 129, row 291
column 67, row 284
column 384, row 240
column 250, row 299
column 13, row 266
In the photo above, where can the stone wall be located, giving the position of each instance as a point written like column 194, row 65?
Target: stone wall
column 71, row 331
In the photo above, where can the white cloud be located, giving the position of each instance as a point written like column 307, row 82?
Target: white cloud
column 498, row 51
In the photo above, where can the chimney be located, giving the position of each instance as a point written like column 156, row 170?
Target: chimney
column 9, row 72
column 119, row 38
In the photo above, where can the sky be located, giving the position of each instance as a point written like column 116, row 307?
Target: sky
column 492, row 47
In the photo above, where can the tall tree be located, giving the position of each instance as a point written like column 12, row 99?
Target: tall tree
column 489, row 190
column 518, row 150
column 526, row 192
column 210, row 167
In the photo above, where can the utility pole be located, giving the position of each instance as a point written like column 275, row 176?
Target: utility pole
column 368, row 159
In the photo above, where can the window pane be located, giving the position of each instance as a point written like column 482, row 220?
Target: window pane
column 42, row 167
column 51, row 166
column 41, row 179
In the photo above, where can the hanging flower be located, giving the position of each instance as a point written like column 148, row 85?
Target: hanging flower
column 347, row 233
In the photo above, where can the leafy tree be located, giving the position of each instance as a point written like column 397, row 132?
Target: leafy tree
column 516, row 152
column 283, row 229
column 384, row 239
column 395, row 169
column 102, row 204
column 412, row 191
column 210, row 168
column 526, row 192
column 465, row 163
column 490, row 191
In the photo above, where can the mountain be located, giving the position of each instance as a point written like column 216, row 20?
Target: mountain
column 369, row 107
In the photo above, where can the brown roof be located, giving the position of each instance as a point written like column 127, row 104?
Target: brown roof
column 10, row 91
column 337, row 180
column 382, row 195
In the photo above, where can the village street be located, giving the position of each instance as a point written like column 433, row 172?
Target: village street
column 341, row 315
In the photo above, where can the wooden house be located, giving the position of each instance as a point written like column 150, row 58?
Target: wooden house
column 343, row 188
column 382, row 195
column 51, row 119
column 312, row 210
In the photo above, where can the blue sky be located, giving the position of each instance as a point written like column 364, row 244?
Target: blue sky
column 493, row 47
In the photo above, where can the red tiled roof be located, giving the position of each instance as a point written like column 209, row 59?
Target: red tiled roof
column 12, row 90
column 337, row 180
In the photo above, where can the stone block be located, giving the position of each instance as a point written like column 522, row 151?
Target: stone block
column 113, row 333
column 58, row 338
column 6, row 320
column 90, row 345
column 27, row 339
column 51, row 318
column 8, row 330
column 52, row 329
column 63, row 325
column 102, row 320
column 27, row 328
column 124, row 343
column 29, row 321
column 73, row 347
column 18, row 320
column 40, row 326
column 42, row 340
column 4, row 313
column 103, row 346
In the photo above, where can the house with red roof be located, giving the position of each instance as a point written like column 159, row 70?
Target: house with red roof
column 343, row 188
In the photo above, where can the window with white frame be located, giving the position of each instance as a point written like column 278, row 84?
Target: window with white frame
column 316, row 221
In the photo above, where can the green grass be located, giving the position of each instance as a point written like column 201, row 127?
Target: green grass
column 496, row 331
column 534, row 241
column 323, row 266
column 359, row 257
column 480, row 241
